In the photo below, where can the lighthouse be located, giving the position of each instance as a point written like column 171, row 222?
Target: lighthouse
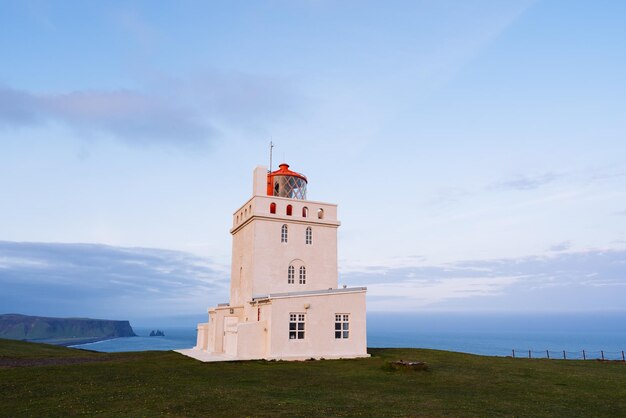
column 285, row 302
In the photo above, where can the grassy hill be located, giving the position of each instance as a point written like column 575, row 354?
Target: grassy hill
column 43, row 380
column 62, row 331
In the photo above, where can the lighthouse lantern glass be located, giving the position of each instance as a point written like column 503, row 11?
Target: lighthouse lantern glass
column 290, row 186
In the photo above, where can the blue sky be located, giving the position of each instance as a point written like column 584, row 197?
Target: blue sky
column 476, row 149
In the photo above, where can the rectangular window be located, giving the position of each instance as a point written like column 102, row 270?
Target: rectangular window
column 296, row 326
column 342, row 326
column 291, row 275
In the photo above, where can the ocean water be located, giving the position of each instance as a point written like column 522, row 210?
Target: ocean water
column 484, row 334
column 175, row 338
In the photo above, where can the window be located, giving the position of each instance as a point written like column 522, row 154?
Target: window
column 289, row 210
column 291, row 274
column 320, row 213
column 296, row 265
column 342, row 325
column 305, row 212
column 296, row 326
column 283, row 234
column 309, row 235
column 272, row 207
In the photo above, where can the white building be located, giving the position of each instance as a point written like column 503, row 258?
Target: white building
column 285, row 302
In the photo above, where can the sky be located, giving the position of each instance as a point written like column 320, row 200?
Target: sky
column 476, row 149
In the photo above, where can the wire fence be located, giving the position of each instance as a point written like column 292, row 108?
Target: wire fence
column 570, row 355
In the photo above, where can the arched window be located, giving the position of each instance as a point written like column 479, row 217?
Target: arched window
column 283, row 234
column 309, row 235
column 320, row 213
column 291, row 274
column 305, row 212
column 272, row 207
column 289, row 210
column 245, row 213
column 302, row 275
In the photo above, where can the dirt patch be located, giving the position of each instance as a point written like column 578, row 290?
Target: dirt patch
column 408, row 365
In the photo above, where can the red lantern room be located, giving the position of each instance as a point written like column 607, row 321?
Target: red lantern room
column 286, row 183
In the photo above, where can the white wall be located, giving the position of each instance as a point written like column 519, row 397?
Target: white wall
column 319, row 338
column 263, row 259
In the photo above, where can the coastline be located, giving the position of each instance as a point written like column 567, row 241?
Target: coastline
column 72, row 342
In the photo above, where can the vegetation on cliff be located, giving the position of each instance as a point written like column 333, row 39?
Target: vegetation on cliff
column 61, row 331
column 40, row 380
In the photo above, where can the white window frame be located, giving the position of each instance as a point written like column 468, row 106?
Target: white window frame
column 297, row 321
column 291, row 274
column 309, row 235
column 342, row 326
column 302, row 275
column 284, row 233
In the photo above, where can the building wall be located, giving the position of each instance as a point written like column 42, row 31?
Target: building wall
column 252, row 340
column 319, row 338
column 214, row 341
column 260, row 260
column 243, row 256
column 319, row 258
column 202, row 335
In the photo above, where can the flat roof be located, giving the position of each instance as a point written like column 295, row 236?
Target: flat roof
column 309, row 293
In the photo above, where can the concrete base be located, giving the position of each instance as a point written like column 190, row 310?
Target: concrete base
column 207, row 357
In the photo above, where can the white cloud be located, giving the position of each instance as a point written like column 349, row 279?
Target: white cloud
column 422, row 293
column 99, row 280
column 526, row 182
column 520, row 283
column 178, row 112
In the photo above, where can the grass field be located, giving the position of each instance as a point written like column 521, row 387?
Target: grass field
column 43, row 380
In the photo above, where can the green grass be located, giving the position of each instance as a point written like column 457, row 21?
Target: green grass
column 166, row 383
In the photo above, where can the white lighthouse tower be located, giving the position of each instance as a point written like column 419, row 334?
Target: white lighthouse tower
column 285, row 302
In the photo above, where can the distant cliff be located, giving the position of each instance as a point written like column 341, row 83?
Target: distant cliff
column 61, row 331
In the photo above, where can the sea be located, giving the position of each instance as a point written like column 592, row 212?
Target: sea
column 538, row 335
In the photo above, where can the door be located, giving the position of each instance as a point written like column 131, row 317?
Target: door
column 230, row 335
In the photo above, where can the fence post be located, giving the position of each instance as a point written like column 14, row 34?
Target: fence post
column 602, row 353
column 529, row 356
column 623, row 359
column 584, row 356
column 564, row 358
column 548, row 354
column 514, row 353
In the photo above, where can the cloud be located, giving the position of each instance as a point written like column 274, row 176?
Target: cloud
column 428, row 292
column 561, row 246
column 448, row 196
column 525, row 182
column 127, row 115
column 135, row 283
column 591, row 279
column 190, row 112
column 104, row 281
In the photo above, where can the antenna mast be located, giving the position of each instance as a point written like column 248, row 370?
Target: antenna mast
column 271, row 148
